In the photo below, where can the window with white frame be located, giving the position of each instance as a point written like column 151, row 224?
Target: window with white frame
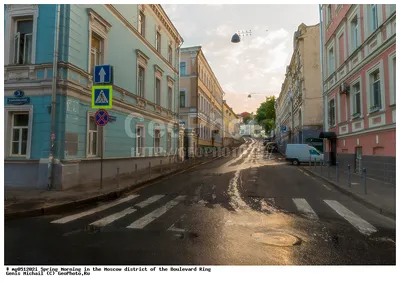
column 23, row 41
column 158, row 42
column 158, row 91
column 182, row 99
column 331, row 113
column 169, row 142
column 374, row 16
column 140, row 133
column 19, row 130
column 170, row 98
column 375, row 79
column 141, row 81
column 142, row 23
column 356, row 96
column 157, row 139
column 331, row 61
column 96, row 51
column 182, row 70
column 354, row 33
column 329, row 14
column 93, row 137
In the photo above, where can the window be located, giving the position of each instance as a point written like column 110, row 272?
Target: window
column 142, row 23
column 374, row 16
column 356, row 98
column 170, row 54
column 331, row 108
column 182, row 99
column 331, row 62
column 376, row 90
column 169, row 142
column 329, row 14
column 141, row 82
column 23, row 41
column 354, row 33
column 157, row 138
column 158, row 42
column 170, row 98
column 92, row 137
column 19, row 129
column 96, row 55
column 394, row 79
column 140, row 133
column 314, row 152
column 183, row 68
column 158, row 92
column 341, row 49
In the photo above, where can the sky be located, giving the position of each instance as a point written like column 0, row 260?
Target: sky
column 258, row 63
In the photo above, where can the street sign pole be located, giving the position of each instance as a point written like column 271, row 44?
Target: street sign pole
column 101, row 158
column 101, row 118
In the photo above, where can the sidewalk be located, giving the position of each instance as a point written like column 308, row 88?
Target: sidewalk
column 379, row 195
column 33, row 202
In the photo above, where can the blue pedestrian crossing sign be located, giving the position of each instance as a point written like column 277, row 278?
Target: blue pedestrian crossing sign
column 101, row 117
column 102, row 97
column 102, row 74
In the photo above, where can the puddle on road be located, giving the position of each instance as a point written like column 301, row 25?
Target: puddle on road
column 276, row 238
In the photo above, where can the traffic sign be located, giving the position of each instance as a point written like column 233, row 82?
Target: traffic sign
column 102, row 74
column 101, row 117
column 102, row 97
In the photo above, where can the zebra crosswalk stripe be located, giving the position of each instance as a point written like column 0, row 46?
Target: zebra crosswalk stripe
column 145, row 220
column 304, row 207
column 359, row 223
column 111, row 218
column 95, row 210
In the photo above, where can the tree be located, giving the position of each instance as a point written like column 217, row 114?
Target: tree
column 246, row 119
column 265, row 115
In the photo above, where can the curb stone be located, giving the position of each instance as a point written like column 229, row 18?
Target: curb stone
column 354, row 196
column 102, row 197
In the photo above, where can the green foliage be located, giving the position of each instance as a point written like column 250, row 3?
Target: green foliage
column 246, row 119
column 265, row 115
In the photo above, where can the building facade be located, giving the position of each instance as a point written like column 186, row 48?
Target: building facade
column 359, row 55
column 299, row 105
column 231, row 126
column 200, row 99
column 142, row 46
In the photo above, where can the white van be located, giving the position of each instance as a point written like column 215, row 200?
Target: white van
column 302, row 153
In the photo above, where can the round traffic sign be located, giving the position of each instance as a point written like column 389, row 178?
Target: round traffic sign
column 101, row 117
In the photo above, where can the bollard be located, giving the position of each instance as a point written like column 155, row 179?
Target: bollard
column 149, row 169
column 328, row 169
column 320, row 165
column 136, row 176
column 348, row 175
column 337, row 172
column 117, row 177
column 161, row 168
column 310, row 161
column 364, row 172
column 315, row 164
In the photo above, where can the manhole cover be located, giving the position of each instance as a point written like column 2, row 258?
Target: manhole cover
column 276, row 238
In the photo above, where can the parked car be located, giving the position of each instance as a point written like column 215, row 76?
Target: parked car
column 271, row 147
column 302, row 153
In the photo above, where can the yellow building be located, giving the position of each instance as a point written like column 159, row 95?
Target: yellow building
column 231, row 125
column 200, row 99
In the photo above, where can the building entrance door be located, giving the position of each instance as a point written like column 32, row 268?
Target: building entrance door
column 358, row 166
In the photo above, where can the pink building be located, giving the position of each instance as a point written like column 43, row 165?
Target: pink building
column 359, row 77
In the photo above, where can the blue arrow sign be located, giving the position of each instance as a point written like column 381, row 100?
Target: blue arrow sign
column 102, row 74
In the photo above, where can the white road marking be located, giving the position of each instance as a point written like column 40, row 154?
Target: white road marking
column 304, row 207
column 145, row 220
column 326, row 187
column 92, row 211
column 359, row 223
column 306, row 173
column 271, row 200
column 175, row 229
column 111, row 218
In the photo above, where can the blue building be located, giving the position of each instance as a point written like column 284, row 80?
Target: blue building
column 138, row 41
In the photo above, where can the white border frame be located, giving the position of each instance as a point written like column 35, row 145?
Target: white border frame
column 143, row 153
column 378, row 66
column 352, row 83
column 103, row 34
column 186, row 100
column 392, row 89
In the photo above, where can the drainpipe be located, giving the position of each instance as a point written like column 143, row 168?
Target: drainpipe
column 322, row 73
column 177, row 107
column 50, row 165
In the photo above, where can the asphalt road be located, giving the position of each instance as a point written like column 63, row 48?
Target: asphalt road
column 244, row 209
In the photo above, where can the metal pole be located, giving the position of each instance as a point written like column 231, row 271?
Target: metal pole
column 161, row 168
column 101, row 159
column 321, row 62
column 315, row 163
column 327, row 167
column 310, row 162
column 337, row 172
column 53, row 101
column 149, row 169
column 348, row 175
column 365, row 180
column 320, row 165
column 136, row 176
